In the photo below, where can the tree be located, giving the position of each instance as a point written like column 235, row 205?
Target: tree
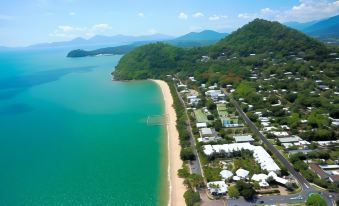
column 315, row 200
column 245, row 189
column 233, row 191
column 195, row 180
column 191, row 198
column 187, row 154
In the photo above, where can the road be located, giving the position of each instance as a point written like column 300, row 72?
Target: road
column 304, row 184
column 195, row 164
column 195, row 167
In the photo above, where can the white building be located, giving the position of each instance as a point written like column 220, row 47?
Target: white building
column 243, row 138
column 201, row 125
column 217, row 188
column 261, row 178
column 259, row 153
column 242, row 173
column 226, row 174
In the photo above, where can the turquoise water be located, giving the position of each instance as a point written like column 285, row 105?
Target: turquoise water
column 69, row 135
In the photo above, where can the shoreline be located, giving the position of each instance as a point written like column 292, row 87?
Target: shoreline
column 176, row 186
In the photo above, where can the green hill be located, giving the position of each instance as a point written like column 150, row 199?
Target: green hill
column 232, row 57
column 262, row 36
column 118, row 50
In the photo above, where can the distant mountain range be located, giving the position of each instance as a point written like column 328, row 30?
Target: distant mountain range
column 326, row 30
column 104, row 40
column 202, row 38
column 192, row 39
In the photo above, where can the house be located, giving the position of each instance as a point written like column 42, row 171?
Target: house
column 278, row 179
column 182, row 86
column 217, row 188
column 281, row 134
column 243, row 138
column 323, row 87
column 205, row 58
column 226, row 174
column 193, row 100
column 201, row 125
column 213, row 93
column 334, row 178
column 192, row 79
column 261, row 178
column 318, row 171
column 291, row 139
column 206, row 132
column 208, row 135
column 242, row 173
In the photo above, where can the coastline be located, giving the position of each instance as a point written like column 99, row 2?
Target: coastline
column 176, row 186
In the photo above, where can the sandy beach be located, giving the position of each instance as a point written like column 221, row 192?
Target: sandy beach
column 176, row 186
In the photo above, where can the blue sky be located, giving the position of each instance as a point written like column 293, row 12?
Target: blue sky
column 34, row 21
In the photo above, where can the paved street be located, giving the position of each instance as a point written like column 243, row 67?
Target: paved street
column 305, row 185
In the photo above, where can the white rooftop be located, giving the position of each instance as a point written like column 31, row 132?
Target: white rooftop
column 243, row 138
column 201, row 124
column 278, row 179
column 259, row 177
column 242, row 173
column 206, row 131
column 217, row 187
column 289, row 139
column 226, row 174
column 259, row 153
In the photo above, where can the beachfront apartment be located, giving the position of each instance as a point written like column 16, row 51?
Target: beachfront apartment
column 259, row 153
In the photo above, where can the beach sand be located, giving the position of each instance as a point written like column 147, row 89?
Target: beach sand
column 176, row 185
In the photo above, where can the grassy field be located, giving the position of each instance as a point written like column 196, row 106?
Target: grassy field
column 200, row 116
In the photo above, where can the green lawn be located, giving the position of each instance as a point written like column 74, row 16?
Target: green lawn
column 200, row 116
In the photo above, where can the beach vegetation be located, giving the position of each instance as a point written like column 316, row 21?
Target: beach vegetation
column 192, row 198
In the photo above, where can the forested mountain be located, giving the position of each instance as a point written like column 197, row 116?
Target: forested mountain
column 262, row 36
column 202, row 38
column 232, row 57
column 192, row 39
column 300, row 26
column 104, row 40
column 118, row 50
column 325, row 29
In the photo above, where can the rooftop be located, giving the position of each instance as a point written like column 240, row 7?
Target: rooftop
column 320, row 172
column 243, row 138
column 259, row 153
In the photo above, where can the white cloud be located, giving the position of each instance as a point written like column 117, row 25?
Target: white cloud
column 71, row 13
column 305, row 10
column 247, row 16
column 101, row 27
column 217, row 17
column 183, row 16
column 67, row 31
column 198, row 15
column 141, row 14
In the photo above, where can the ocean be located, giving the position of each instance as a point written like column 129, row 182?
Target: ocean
column 69, row 135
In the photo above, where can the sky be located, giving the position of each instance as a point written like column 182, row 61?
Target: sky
column 26, row 22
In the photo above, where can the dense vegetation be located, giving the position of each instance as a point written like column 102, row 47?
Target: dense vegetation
column 277, row 57
column 315, row 200
column 262, row 36
column 118, row 50
column 230, row 59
